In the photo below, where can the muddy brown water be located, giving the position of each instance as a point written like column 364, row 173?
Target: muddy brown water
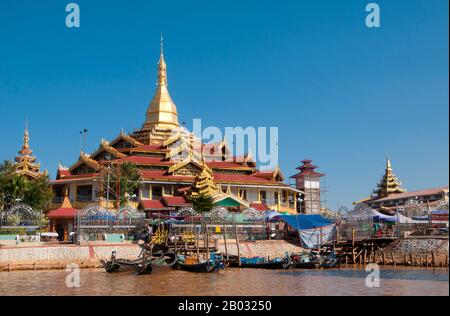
column 234, row 282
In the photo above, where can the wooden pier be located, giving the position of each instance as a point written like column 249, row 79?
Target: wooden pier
column 375, row 250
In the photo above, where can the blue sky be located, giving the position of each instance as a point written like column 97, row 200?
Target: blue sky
column 341, row 94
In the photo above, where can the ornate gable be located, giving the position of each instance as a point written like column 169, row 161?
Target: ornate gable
column 85, row 164
column 125, row 141
column 107, row 152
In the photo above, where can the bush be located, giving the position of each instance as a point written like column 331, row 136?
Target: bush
column 13, row 220
column 13, row 231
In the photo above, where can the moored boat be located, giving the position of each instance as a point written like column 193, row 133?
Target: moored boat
column 261, row 263
column 306, row 261
column 203, row 267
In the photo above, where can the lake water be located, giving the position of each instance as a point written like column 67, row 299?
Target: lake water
column 233, row 282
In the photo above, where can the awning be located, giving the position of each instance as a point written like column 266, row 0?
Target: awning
column 314, row 230
column 259, row 206
column 175, row 201
column 154, row 205
column 62, row 213
column 304, row 221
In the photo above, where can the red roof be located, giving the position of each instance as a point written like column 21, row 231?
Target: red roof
column 149, row 148
column 413, row 194
column 244, row 178
column 63, row 213
column 162, row 175
column 63, row 173
column 224, row 165
column 141, row 160
column 154, row 205
column 175, row 201
column 308, row 173
column 72, row 178
column 259, row 206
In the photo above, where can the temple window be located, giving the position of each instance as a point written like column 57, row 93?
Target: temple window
column 291, row 200
column 243, row 194
column 277, row 198
column 168, row 189
column 156, row 192
column 283, row 197
column 84, row 193
column 263, row 196
column 145, row 191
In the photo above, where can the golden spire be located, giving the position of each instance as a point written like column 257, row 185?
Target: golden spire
column 25, row 162
column 162, row 112
column 26, row 151
column 389, row 183
column 388, row 164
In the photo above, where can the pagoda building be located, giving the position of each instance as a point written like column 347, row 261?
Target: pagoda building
column 308, row 181
column 25, row 162
column 390, row 196
column 173, row 163
column 388, row 184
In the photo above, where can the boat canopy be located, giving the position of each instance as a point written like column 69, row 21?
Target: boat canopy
column 303, row 221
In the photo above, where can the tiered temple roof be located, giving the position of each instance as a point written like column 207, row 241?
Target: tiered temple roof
column 307, row 169
column 388, row 184
column 26, row 164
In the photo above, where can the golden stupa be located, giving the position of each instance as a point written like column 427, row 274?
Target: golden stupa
column 389, row 183
column 162, row 112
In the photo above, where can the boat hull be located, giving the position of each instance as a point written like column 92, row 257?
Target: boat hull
column 206, row 267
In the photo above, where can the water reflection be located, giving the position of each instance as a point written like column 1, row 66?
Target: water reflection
column 248, row 282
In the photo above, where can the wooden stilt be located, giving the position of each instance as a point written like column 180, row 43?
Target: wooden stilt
column 237, row 244
column 365, row 257
column 225, row 241
column 197, row 238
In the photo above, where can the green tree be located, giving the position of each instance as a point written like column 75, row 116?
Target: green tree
column 129, row 178
column 38, row 193
column 6, row 171
column 6, row 168
column 201, row 203
column 129, row 181
column 15, row 187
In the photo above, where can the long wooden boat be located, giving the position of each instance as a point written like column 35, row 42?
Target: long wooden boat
column 306, row 265
column 204, row 267
column 306, row 261
column 267, row 265
column 142, row 265
column 331, row 261
column 259, row 264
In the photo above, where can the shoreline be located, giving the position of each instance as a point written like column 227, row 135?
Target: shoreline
column 405, row 253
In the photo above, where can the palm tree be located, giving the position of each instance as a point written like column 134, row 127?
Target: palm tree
column 6, row 168
column 16, row 186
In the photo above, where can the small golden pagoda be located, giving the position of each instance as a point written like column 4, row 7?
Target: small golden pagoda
column 25, row 162
column 388, row 184
column 204, row 184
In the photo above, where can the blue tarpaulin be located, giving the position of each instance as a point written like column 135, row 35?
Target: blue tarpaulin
column 314, row 230
column 303, row 221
